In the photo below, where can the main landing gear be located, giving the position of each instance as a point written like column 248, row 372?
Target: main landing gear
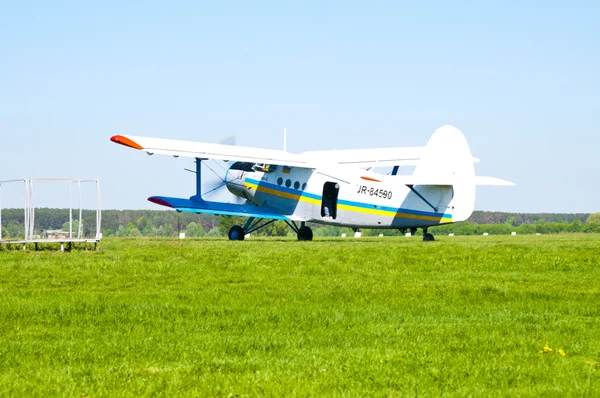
column 427, row 237
column 305, row 233
column 239, row 233
column 236, row 233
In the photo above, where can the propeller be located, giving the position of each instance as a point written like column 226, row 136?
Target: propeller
column 228, row 140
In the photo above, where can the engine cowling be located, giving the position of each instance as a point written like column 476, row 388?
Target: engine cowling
column 235, row 179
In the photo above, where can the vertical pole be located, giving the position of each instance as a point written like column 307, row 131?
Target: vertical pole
column 31, row 210
column 0, row 212
column 98, row 212
column 26, row 210
column 71, row 210
column 80, row 226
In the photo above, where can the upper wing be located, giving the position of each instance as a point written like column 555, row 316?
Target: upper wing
column 376, row 157
column 212, row 151
column 443, row 179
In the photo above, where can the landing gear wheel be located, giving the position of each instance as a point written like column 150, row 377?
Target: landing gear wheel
column 427, row 237
column 236, row 233
column 305, row 233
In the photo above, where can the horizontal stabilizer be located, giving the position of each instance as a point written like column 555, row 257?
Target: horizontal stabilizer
column 228, row 209
column 481, row 180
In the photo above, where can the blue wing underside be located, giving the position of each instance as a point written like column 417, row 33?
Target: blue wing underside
column 228, row 209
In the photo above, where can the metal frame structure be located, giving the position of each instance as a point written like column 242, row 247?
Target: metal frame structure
column 29, row 212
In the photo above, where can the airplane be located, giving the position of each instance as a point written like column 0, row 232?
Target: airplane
column 338, row 187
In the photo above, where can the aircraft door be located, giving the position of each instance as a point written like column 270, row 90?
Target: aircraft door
column 329, row 200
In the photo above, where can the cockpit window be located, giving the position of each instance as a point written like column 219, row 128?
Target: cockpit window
column 244, row 166
column 265, row 168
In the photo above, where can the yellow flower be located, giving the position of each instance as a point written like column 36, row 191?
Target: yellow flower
column 561, row 352
column 547, row 349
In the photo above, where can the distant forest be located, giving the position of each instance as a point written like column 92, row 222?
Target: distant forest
column 164, row 223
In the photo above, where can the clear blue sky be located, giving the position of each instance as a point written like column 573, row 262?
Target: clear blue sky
column 520, row 79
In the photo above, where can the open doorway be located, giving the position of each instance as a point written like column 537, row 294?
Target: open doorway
column 329, row 201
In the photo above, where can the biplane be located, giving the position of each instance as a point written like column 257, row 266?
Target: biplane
column 334, row 187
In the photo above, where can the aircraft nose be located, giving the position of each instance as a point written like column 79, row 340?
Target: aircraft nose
column 234, row 180
column 234, row 176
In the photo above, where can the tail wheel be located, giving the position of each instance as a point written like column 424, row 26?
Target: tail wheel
column 305, row 233
column 236, row 233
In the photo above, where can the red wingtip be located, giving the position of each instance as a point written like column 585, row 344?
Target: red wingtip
column 119, row 139
column 159, row 201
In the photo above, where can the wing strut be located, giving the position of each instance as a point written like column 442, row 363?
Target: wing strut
column 198, row 195
column 251, row 225
column 411, row 187
column 293, row 225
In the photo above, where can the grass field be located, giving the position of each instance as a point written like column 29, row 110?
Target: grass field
column 462, row 316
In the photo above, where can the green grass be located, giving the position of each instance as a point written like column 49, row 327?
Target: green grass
column 462, row 316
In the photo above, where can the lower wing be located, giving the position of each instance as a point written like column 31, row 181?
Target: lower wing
column 228, row 209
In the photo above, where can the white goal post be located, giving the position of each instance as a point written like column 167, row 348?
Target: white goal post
column 29, row 210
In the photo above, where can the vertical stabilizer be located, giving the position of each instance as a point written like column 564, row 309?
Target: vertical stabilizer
column 447, row 157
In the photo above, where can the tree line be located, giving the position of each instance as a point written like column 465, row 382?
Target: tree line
column 164, row 223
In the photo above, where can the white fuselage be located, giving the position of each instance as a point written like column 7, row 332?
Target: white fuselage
column 344, row 197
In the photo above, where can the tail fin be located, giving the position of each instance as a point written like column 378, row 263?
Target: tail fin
column 447, row 160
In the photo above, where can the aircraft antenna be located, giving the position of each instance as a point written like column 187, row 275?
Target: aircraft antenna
column 284, row 139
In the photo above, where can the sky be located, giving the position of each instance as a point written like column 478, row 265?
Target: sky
column 519, row 78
